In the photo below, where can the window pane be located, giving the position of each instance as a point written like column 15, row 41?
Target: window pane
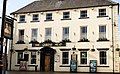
column 66, row 15
column 33, row 57
column 102, row 31
column 47, row 33
column 102, row 12
column 83, row 13
column 20, row 56
column 34, row 34
column 65, row 58
column 103, row 57
column 49, row 16
column 83, row 32
column 21, row 35
column 35, row 17
column 65, row 33
column 102, row 28
column 22, row 18
column 83, row 57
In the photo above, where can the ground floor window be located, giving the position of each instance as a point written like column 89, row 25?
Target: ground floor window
column 83, row 57
column 33, row 57
column 103, row 57
column 65, row 57
column 20, row 56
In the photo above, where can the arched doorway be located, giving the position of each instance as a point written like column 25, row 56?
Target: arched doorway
column 47, row 59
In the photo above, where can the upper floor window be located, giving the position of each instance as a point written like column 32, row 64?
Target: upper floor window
column 103, row 57
column 33, row 57
column 22, row 18
column 102, row 12
column 21, row 35
column 47, row 33
column 102, row 31
column 34, row 34
column 83, row 32
column 83, row 57
column 65, row 33
column 49, row 16
column 83, row 14
column 66, row 15
column 65, row 57
column 35, row 17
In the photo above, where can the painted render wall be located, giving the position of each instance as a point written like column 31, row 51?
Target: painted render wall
column 74, row 24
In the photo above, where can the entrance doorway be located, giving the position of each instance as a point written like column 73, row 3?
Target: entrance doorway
column 47, row 59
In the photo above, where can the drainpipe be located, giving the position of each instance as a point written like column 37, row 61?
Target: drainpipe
column 112, row 21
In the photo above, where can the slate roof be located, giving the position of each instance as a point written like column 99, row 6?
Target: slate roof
column 50, row 5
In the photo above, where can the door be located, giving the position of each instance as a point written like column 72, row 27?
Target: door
column 47, row 63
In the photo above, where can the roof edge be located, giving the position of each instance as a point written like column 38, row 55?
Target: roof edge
column 62, row 9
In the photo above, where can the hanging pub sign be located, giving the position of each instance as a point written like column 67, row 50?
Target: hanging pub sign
column 8, row 28
column 93, row 66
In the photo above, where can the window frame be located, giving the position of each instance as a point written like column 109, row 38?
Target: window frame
column 85, row 32
column 65, row 33
column 103, row 58
column 48, row 34
column 66, row 58
column 35, row 17
column 66, row 15
column 33, row 35
column 49, row 17
column 35, row 57
column 18, row 59
column 102, row 31
column 102, row 12
column 20, row 35
column 83, row 14
column 85, row 58
column 22, row 18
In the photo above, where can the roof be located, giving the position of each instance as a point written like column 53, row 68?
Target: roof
column 50, row 5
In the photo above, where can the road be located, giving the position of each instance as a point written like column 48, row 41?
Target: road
column 23, row 72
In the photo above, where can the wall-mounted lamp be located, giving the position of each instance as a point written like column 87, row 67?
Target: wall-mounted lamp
column 74, row 48
column 93, row 48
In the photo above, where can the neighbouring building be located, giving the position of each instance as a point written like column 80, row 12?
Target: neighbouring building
column 48, row 32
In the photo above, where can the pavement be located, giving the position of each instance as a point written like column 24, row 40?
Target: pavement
column 28, row 72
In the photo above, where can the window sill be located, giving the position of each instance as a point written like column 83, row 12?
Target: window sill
column 83, row 66
column 83, row 17
column 35, row 21
column 103, row 66
column 48, row 20
column 22, row 22
column 32, row 65
column 66, row 19
column 102, row 40
column 20, row 42
column 102, row 16
column 83, row 40
column 64, row 66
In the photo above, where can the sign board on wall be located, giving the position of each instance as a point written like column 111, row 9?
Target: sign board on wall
column 93, row 65
column 8, row 28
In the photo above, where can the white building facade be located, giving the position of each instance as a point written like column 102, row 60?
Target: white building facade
column 47, row 37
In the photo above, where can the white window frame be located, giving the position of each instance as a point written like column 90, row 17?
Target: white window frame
column 65, row 36
column 83, row 35
column 48, row 36
column 33, row 37
column 102, row 34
